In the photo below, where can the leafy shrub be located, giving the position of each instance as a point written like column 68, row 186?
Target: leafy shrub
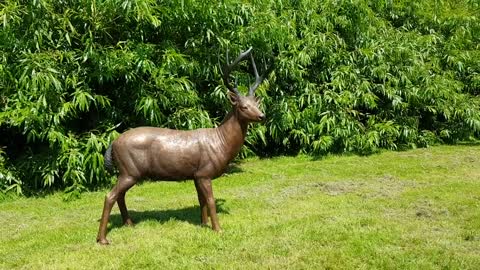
column 350, row 76
column 8, row 180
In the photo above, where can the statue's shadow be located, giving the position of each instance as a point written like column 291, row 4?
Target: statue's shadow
column 187, row 214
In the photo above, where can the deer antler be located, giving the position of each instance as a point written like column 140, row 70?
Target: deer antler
column 229, row 67
column 258, row 79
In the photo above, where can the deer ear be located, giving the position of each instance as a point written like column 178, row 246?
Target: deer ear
column 233, row 97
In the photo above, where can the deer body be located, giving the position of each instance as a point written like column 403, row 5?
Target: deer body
column 169, row 155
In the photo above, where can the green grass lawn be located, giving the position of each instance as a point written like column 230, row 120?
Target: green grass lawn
column 417, row 209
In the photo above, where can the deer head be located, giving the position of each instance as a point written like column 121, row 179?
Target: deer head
column 246, row 107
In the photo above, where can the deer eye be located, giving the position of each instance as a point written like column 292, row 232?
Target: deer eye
column 243, row 108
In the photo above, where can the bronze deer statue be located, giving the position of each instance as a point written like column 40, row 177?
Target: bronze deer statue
column 169, row 155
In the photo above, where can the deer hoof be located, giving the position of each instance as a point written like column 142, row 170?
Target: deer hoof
column 103, row 241
column 218, row 230
column 128, row 223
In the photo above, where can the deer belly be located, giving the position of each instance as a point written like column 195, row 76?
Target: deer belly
column 172, row 169
column 173, row 163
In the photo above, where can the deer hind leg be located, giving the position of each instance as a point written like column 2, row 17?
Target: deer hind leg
column 203, row 204
column 124, row 183
column 123, row 209
column 205, row 187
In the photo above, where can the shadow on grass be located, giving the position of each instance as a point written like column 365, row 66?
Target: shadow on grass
column 469, row 143
column 234, row 168
column 400, row 148
column 187, row 214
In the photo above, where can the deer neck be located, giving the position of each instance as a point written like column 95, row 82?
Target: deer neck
column 232, row 132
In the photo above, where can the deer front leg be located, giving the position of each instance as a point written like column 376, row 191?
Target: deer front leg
column 205, row 187
column 203, row 203
column 123, row 209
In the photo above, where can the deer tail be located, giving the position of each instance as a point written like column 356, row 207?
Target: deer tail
column 108, row 158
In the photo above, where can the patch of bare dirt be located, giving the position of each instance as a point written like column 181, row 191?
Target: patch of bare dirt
column 385, row 187
column 428, row 210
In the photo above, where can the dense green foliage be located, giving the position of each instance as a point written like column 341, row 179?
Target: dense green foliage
column 349, row 76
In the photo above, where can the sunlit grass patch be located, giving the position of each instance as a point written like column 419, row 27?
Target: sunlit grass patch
column 396, row 210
